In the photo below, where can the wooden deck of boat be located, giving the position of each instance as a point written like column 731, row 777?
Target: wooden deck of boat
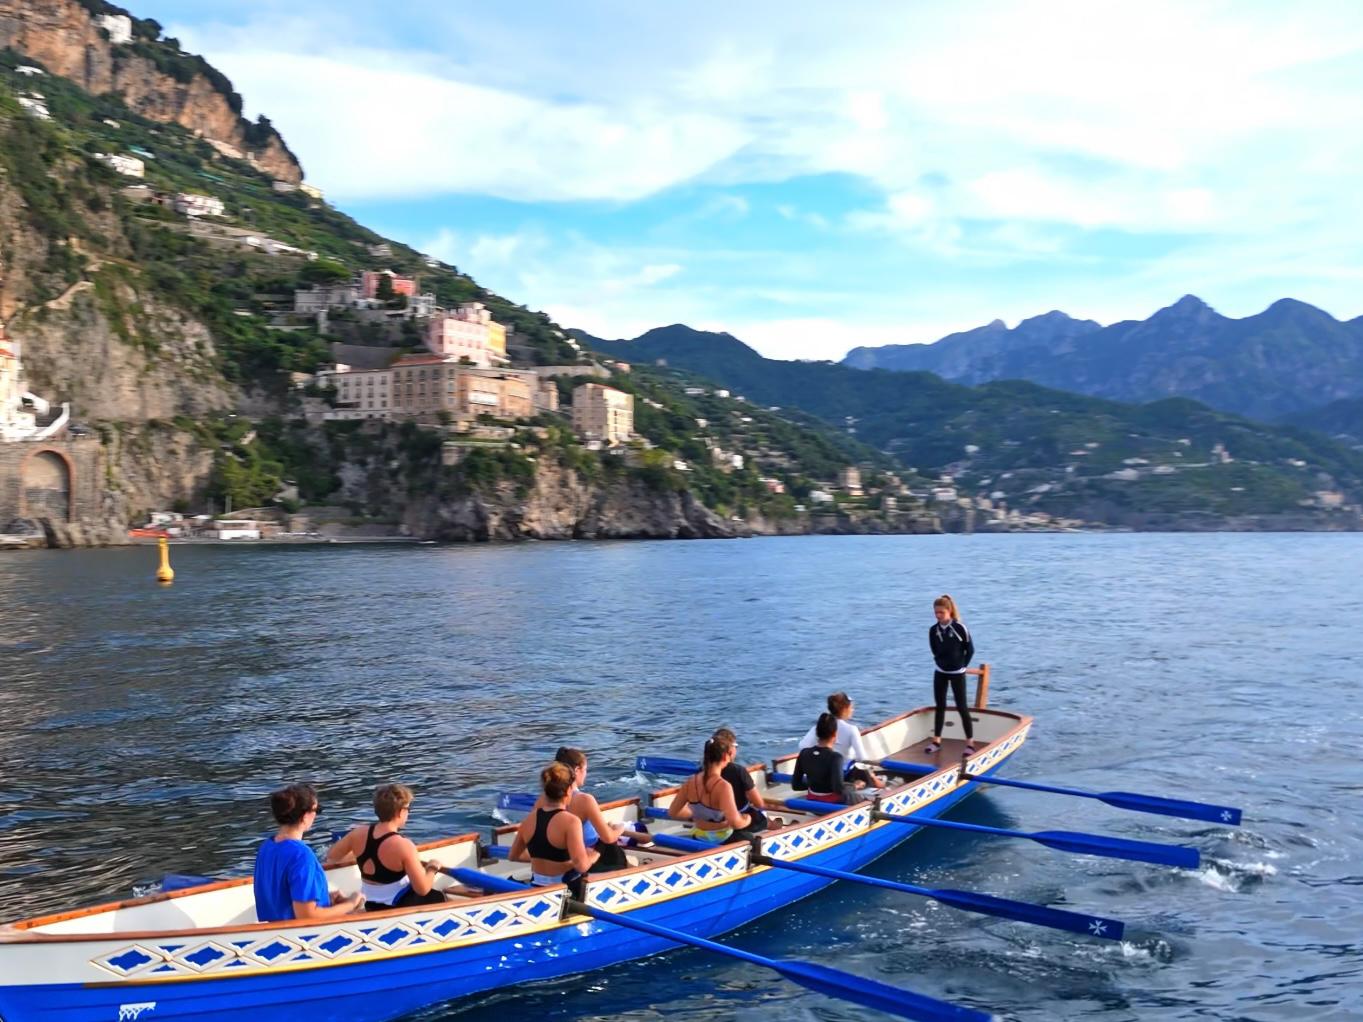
column 948, row 755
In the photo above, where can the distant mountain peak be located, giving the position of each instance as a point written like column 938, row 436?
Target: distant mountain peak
column 1297, row 308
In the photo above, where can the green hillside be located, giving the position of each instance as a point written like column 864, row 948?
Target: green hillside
column 1170, row 463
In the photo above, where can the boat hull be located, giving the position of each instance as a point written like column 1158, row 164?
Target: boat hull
column 715, row 892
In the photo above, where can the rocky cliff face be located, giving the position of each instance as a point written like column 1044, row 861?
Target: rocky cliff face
column 61, row 35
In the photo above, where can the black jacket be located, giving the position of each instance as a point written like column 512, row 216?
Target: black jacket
column 951, row 646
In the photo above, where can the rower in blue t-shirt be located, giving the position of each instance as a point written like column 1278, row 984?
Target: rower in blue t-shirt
column 289, row 882
column 287, row 871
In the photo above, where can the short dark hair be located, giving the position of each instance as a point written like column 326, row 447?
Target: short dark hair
column 838, row 703
column 390, row 800
column 291, row 804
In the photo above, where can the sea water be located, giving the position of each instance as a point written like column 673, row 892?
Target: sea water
column 143, row 727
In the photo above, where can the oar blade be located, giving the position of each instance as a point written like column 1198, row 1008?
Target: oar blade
column 666, row 766
column 1180, row 856
column 1181, row 808
column 516, row 801
column 871, row 993
column 1025, row 912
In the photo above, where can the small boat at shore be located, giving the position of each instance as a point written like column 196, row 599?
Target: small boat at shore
column 200, row 953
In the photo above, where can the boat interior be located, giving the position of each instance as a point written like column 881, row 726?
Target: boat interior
column 230, row 903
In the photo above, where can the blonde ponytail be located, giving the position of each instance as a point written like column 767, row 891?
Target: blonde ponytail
column 946, row 601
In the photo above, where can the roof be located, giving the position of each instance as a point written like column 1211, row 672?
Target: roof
column 422, row 360
column 6, row 353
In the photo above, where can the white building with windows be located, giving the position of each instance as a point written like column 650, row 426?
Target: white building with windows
column 191, row 204
column 128, row 166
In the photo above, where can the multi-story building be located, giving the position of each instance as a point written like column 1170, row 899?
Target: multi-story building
column 603, row 413
column 323, row 297
column 191, row 204
column 369, row 283
column 128, row 166
column 360, row 393
column 425, row 386
column 468, row 332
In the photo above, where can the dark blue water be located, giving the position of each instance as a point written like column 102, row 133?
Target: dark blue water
column 143, row 726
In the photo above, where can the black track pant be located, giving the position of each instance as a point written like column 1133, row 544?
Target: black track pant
column 939, row 693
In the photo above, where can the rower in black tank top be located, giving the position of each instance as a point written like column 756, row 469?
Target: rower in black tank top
column 382, row 874
column 538, row 846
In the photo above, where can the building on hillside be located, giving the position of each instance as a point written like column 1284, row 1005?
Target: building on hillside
column 322, row 297
column 119, row 28
column 369, row 283
column 425, row 386
column 603, row 413
column 548, row 372
column 849, row 478
column 191, row 204
column 421, row 306
column 29, row 69
column 35, row 105
column 128, row 166
column 311, row 191
column 23, row 414
column 360, row 393
column 468, row 333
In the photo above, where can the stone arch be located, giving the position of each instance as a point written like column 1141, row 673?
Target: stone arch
column 47, row 485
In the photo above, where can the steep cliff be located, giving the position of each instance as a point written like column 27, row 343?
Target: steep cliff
column 148, row 74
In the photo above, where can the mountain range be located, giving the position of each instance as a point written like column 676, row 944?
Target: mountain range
column 1284, row 361
column 1173, row 463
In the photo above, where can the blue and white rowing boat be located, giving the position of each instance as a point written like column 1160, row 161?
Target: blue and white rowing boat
column 199, row 953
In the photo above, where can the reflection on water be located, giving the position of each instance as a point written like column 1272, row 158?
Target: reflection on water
column 144, row 725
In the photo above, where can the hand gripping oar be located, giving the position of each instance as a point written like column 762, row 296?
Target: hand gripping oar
column 1066, row 841
column 869, row 993
column 1138, row 803
column 987, row 904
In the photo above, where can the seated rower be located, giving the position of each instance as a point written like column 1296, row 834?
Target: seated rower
column 550, row 837
column 746, row 796
column 848, row 744
column 707, row 800
column 819, row 768
column 288, row 879
column 596, row 832
column 392, row 874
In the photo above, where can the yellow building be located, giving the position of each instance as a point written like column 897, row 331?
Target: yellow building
column 603, row 413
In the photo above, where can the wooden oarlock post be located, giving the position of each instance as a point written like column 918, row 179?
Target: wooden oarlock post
column 981, row 686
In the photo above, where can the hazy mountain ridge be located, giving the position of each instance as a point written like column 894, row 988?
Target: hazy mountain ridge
column 1285, row 360
column 1174, row 463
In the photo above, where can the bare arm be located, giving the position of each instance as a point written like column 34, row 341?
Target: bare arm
column 753, row 795
column 343, row 850
column 732, row 816
column 311, row 910
column 571, row 832
column 519, row 852
column 607, row 831
column 419, row 875
column 679, row 810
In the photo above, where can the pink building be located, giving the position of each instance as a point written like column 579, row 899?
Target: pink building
column 467, row 332
column 369, row 283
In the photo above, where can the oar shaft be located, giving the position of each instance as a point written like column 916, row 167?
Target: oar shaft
column 969, row 901
column 1155, row 804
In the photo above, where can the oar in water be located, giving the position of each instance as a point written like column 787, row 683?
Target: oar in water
column 1065, row 841
column 986, row 904
column 868, row 993
column 1131, row 800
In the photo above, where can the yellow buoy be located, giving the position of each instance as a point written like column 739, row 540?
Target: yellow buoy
column 165, row 574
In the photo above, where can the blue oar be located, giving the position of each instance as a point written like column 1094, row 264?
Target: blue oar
column 664, row 765
column 1121, row 799
column 869, row 993
column 1065, row 841
column 516, row 801
column 987, row 904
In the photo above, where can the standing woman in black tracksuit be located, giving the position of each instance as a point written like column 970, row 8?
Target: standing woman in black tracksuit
column 952, row 650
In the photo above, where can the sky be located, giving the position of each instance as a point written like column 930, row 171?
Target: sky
column 812, row 179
